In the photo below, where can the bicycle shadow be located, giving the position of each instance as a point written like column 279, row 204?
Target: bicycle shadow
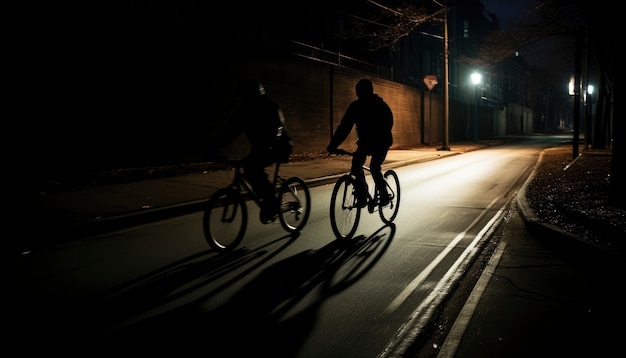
column 273, row 312
column 152, row 294
column 276, row 311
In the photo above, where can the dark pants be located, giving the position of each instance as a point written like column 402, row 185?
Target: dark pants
column 376, row 161
column 254, row 172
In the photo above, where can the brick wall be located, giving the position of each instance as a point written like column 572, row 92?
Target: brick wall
column 136, row 116
column 314, row 98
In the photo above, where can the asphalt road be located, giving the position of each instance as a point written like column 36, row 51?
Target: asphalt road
column 159, row 286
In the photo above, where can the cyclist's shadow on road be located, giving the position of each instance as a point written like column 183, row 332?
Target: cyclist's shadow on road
column 275, row 312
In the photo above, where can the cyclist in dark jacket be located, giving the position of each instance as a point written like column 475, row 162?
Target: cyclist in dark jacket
column 262, row 121
column 373, row 120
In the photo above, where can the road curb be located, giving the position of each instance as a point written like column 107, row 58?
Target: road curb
column 580, row 252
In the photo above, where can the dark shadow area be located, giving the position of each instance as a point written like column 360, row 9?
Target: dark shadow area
column 179, row 306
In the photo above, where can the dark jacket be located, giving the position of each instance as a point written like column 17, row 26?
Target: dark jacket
column 261, row 120
column 373, row 119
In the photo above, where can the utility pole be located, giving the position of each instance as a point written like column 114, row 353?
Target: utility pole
column 446, row 81
column 476, row 78
column 577, row 65
column 587, row 99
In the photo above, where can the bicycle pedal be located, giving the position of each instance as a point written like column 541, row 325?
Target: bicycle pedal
column 371, row 206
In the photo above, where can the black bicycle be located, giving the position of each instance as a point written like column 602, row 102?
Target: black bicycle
column 226, row 214
column 345, row 213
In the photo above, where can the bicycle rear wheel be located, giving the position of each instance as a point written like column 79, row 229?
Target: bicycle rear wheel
column 225, row 220
column 389, row 212
column 295, row 204
column 344, row 213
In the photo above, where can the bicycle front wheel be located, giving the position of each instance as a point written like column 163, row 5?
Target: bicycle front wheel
column 295, row 204
column 225, row 220
column 389, row 212
column 344, row 213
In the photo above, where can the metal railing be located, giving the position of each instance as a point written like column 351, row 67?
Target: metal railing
column 336, row 58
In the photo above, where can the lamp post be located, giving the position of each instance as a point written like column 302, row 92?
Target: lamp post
column 476, row 78
column 576, row 92
column 446, row 80
column 588, row 116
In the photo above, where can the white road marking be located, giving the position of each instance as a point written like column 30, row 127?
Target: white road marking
column 449, row 347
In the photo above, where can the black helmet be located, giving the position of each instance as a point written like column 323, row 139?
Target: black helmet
column 364, row 88
column 249, row 89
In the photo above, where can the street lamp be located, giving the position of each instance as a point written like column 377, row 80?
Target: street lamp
column 476, row 78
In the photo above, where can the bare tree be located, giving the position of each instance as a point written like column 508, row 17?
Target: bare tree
column 384, row 23
column 553, row 21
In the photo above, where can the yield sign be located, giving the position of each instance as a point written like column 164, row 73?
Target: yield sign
column 430, row 81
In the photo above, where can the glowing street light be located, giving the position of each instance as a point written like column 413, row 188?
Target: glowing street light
column 476, row 78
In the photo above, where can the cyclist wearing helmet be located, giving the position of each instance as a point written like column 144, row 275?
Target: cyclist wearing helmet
column 373, row 120
column 262, row 121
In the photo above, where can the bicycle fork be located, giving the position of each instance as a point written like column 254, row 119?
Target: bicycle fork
column 230, row 207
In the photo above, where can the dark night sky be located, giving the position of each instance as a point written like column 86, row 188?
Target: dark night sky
column 552, row 54
column 508, row 11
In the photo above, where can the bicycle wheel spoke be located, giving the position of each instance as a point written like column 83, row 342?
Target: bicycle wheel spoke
column 295, row 204
column 389, row 212
column 225, row 220
column 344, row 214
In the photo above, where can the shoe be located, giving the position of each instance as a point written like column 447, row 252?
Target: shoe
column 268, row 216
column 383, row 200
column 361, row 202
column 270, row 212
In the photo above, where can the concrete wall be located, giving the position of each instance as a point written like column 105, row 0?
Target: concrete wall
column 519, row 120
column 498, row 122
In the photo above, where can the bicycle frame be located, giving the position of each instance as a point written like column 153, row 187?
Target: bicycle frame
column 345, row 213
column 372, row 198
column 225, row 216
column 239, row 182
column 372, row 195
